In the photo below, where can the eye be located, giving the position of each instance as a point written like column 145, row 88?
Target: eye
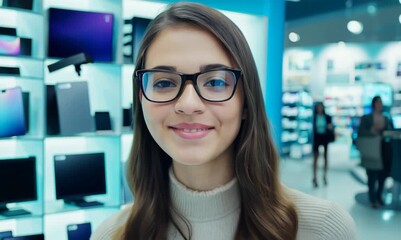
column 216, row 83
column 164, row 83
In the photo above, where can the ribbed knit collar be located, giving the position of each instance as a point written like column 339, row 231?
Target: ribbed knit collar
column 204, row 205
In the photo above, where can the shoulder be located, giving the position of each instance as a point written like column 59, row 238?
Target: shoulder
column 109, row 227
column 321, row 219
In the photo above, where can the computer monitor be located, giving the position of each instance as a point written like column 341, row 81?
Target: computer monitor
column 72, row 32
column 24, row 4
column 397, row 121
column 78, row 176
column 17, row 183
column 27, row 237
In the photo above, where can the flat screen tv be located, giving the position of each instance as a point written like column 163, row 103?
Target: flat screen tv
column 17, row 183
column 78, row 176
column 72, row 32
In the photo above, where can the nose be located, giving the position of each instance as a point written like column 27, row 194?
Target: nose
column 189, row 102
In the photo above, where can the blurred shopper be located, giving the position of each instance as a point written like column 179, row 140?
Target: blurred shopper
column 373, row 125
column 323, row 133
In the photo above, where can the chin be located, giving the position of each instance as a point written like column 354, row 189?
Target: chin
column 189, row 161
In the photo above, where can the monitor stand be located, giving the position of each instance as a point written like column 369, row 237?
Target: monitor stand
column 81, row 202
column 12, row 212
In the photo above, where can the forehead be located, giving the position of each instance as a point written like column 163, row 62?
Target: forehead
column 186, row 48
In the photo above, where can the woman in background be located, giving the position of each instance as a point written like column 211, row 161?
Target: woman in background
column 374, row 124
column 323, row 133
column 203, row 164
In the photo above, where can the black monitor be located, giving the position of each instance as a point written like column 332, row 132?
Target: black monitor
column 17, row 183
column 72, row 32
column 27, row 237
column 24, row 4
column 78, row 176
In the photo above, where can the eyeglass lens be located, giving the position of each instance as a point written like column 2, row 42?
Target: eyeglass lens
column 217, row 85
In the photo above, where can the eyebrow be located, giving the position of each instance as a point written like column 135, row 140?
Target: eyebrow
column 202, row 68
column 212, row 66
column 165, row 67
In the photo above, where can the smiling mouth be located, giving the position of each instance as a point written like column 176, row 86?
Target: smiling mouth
column 193, row 130
column 192, row 133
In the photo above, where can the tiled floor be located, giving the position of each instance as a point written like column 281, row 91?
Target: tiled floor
column 372, row 224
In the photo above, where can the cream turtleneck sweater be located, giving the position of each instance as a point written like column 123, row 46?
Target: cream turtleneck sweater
column 214, row 215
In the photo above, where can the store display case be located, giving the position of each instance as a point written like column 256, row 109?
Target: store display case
column 297, row 126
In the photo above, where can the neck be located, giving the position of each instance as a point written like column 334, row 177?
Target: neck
column 205, row 177
column 377, row 111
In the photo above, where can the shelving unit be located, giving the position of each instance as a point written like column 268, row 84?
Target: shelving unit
column 344, row 104
column 49, row 215
column 297, row 124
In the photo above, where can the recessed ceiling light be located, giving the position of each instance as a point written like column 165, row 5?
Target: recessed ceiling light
column 372, row 9
column 355, row 27
column 294, row 37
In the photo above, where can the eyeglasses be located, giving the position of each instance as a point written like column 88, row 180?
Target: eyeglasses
column 160, row 86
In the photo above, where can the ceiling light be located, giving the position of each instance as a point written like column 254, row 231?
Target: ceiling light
column 355, row 27
column 372, row 9
column 294, row 37
column 399, row 18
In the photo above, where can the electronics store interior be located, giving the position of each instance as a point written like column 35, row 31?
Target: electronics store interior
column 65, row 137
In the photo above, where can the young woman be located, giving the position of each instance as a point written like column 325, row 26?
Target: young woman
column 374, row 124
column 203, row 164
column 322, row 128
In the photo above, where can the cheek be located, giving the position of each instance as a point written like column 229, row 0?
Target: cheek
column 154, row 116
column 234, row 116
column 148, row 115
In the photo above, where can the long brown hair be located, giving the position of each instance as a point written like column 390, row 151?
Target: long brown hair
column 266, row 213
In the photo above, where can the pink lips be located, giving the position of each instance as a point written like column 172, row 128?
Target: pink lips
column 191, row 131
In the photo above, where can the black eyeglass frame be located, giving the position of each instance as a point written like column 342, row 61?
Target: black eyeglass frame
column 138, row 76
